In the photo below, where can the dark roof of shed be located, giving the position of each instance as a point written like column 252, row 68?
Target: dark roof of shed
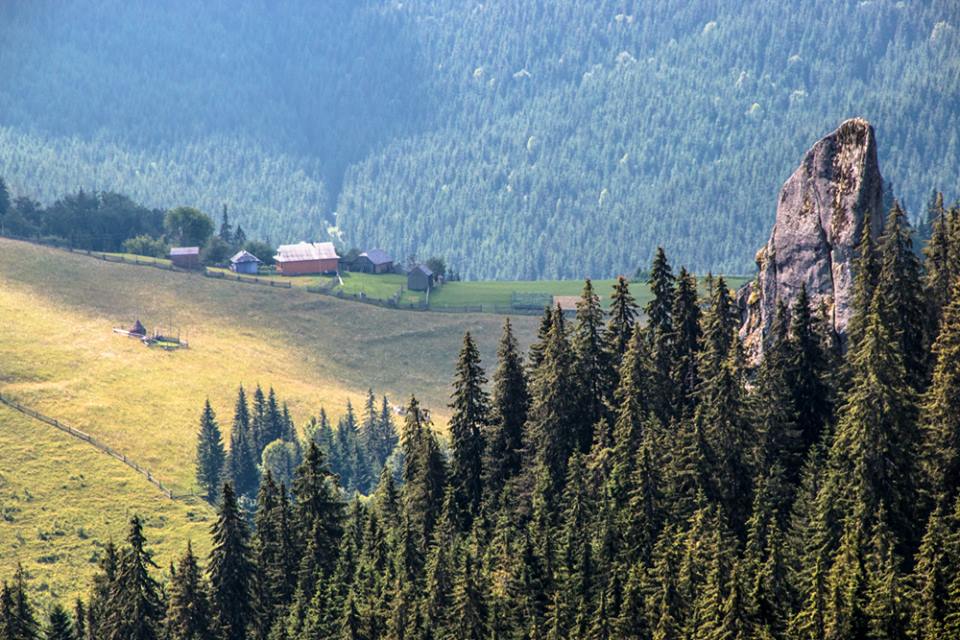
column 423, row 269
column 244, row 256
column 185, row 251
column 377, row 256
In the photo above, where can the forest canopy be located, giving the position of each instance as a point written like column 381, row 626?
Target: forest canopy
column 502, row 135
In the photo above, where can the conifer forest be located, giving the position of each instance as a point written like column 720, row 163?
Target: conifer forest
column 621, row 479
column 291, row 346
column 554, row 139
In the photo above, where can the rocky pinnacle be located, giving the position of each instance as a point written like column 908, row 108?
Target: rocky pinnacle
column 820, row 216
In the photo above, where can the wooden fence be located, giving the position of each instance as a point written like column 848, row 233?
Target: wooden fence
column 76, row 433
column 267, row 282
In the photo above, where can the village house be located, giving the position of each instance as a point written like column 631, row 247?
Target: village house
column 185, row 257
column 306, row 258
column 420, row 278
column 245, row 262
column 373, row 261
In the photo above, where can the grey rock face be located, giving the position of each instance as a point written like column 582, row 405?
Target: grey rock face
column 820, row 216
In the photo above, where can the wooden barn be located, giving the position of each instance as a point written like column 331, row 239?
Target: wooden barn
column 306, row 258
column 420, row 278
column 245, row 262
column 185, row 257
column 373, row 261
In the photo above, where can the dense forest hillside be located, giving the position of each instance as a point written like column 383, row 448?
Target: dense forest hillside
column 499, row 134
column 618, row 480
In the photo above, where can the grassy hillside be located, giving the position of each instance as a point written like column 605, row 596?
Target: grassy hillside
column 61, row 500
column 59, row 355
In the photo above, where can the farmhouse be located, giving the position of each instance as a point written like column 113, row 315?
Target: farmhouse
column 373, row 261
column 185, row 257
column 244, row 262
column 306, row 258
column 420, row 278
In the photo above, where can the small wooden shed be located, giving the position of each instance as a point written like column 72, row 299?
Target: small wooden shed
column 245, row 262
column 373, row 261
column 420, row 278
column 185, row 257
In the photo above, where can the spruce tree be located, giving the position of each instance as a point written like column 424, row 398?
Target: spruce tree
column 136, row 607
column 470, row 405
column 188, row 612
column 440, row 568
column 873, row 454
column 632, row 401
column 938, row 276
column 79, row 620
column 468, row 610
column 686, row 344
column 226, row 229
column 273, row 422
column 386, row 435
column 258, row 421
column 241, row 462
column 509, row 405
column 899, row 288
column 622, row 314
column 58, row 625
column 930, row 581
column 424, row 475
column 103, row 582
column 846, row 601
column 719, row 325
column 807, row 372
column 320, row 514
column 274, row 556
column 239, row 237
column 866, row 271
column 231, row 571
column 660, row 334
column 210, row 454
column 886, row 609
column 728, row 435
column 552, row 421
column 593, row 365
column 535, row 356
column 368, row 427
column 941, row 408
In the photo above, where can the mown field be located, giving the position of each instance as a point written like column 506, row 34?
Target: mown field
column 58, row 353
column 61, row 501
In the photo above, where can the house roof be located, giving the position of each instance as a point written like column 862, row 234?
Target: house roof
column 377, row 256
column 306, row 251
column 185, row 251
column 244, row 256
column 423, row 269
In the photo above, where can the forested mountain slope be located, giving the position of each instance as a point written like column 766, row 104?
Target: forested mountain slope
column 499, row 134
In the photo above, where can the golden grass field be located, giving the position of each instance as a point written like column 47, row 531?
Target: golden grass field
column 59, row 355
column 61, row 500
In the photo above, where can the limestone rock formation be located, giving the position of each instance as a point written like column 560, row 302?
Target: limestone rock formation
column 820, row 216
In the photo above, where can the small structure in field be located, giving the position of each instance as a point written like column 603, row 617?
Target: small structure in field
column 138, row 329
column 245, row 262
column 307, row 258
column 373, row 261
column 185, row 257
column 420, row 278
